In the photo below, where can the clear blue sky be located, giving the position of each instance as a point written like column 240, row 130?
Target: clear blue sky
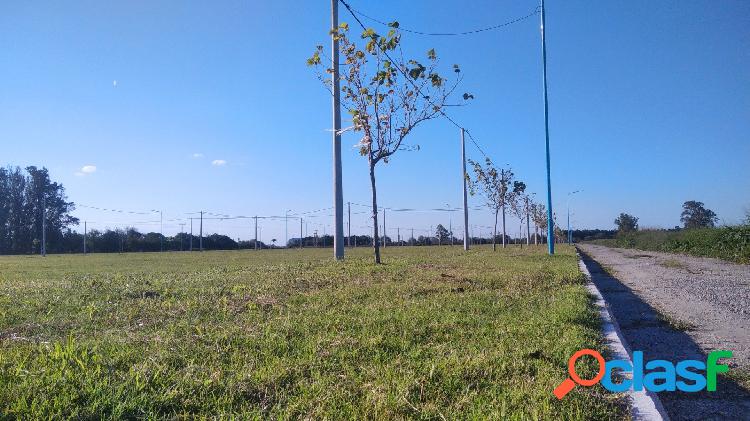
column 649, row 107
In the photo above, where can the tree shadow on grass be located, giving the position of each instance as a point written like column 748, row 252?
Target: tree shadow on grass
column 645, row 329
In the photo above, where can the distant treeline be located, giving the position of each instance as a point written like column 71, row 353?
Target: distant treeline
column 131, row 240
column 592, row 234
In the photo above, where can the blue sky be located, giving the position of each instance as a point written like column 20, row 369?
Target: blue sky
column 649, row 107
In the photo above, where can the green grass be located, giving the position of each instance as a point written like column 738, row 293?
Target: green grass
column 433, row 333
column 730, row 243
column 673, row 264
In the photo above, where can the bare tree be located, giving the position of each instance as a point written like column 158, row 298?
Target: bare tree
column 386, row 96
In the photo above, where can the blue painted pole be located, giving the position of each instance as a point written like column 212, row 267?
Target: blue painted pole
column 550, row 222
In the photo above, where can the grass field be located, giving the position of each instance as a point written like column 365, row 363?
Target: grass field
column 433, row 333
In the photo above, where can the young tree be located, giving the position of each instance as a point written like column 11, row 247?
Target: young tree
column 386, row 95
column 626, row 223
column 539, row 216
column 523, row 209
column 696, row 215
column 498, row 190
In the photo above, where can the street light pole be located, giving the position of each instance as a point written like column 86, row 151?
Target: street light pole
column 550, row 221
column 570, row 234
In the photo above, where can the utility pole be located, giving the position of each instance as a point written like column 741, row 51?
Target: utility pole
column 191, row 234
column 385, row 236
column 256, row 232
column 550, row 222
column 466, row 201
column 398, row 236
column 182, row 234
column 301, row 239
column 413, row 240
column 338, row 194
column 161, row 231
column 43, row 249
column 286, row 227
column 200, row 241
column 84, row 236
column 349, row 223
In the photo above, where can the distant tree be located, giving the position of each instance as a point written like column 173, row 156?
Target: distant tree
column 442, row 234
column 386, row 95
column 498, row 189
column 522, row 206
column 539, row 216
column 695, row 215
column 626, row 223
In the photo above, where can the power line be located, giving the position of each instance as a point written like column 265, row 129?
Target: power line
column 114, row 210
column 470, row 32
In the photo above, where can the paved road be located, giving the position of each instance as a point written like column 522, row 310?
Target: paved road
column 675, row 307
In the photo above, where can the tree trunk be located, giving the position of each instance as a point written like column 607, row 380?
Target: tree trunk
column 494, row 234
column 528, row 230
column 503, row 225
column 536, row 234
column 375, row 237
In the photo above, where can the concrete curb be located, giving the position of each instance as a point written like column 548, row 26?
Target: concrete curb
column 644, row 405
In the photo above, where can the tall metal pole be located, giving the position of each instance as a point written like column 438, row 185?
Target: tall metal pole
column 44, row 226
column 286, row 227
column 338, row 194
column 200, row 241
column 161, row 231
column 550, row 222
column 85, row 229
column 191, row 234
column 256, row 232
column 300, row 233
column 463, row 177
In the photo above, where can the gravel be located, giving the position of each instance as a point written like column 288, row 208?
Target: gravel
column 676, row 307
